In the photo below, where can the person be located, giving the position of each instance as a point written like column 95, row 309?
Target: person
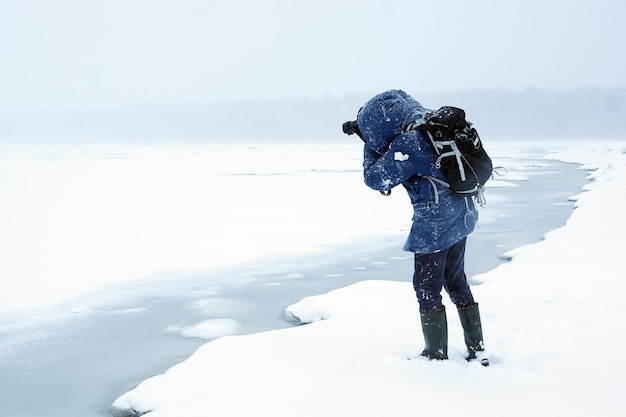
column 442, row 220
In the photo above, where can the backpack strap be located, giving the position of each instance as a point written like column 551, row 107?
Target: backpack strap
column 433, row 182
column 479, row 197
column 454, row 151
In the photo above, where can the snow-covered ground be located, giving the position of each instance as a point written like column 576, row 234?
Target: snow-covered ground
column 83, row 218
column 553, row 320
column 75, row 219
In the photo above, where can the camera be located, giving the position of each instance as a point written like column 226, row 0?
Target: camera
column 351, row 127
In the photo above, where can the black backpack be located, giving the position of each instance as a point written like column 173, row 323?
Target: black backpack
column 461, row 156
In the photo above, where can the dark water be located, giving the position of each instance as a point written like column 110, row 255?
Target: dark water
column 62, row 363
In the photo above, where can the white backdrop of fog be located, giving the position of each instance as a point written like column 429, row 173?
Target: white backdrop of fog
column 191, row 70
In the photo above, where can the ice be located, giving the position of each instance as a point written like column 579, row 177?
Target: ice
column 552, row 319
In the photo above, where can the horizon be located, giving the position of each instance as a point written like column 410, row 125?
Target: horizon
column 580, row 112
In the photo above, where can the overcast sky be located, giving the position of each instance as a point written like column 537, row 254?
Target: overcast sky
column 57, row 53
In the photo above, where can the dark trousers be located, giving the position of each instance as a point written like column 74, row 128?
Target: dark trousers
column 443, row 269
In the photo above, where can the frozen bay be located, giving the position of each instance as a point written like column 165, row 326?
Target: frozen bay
column 157, row 250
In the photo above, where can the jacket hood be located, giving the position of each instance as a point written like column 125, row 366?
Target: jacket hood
column 384, row 117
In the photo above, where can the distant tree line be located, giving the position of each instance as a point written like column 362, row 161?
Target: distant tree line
column 502, row 114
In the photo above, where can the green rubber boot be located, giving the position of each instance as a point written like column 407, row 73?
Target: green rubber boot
column 473, row 333
column 435, row 328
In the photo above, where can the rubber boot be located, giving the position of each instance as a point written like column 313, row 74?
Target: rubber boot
column 435, row 328
column 473, row 333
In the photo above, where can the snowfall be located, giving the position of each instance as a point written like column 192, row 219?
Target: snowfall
column 553, row 317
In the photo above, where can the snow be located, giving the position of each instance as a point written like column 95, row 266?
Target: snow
column 78, row 218
column 399, row 156
column 207, row 329
column 553, row 320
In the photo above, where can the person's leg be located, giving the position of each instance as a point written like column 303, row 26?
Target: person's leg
column 456, row 285
column 429, row 279
column 455, row 281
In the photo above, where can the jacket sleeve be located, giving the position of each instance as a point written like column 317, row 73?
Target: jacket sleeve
column 406, row 157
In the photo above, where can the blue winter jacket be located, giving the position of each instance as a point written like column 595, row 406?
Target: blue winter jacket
column 392, row 157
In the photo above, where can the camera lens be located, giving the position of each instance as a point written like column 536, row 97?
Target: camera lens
column 350, row 128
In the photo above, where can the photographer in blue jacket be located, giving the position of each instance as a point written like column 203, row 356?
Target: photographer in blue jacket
column 442, row 219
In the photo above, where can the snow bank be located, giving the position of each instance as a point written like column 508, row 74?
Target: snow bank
column 553, row 320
